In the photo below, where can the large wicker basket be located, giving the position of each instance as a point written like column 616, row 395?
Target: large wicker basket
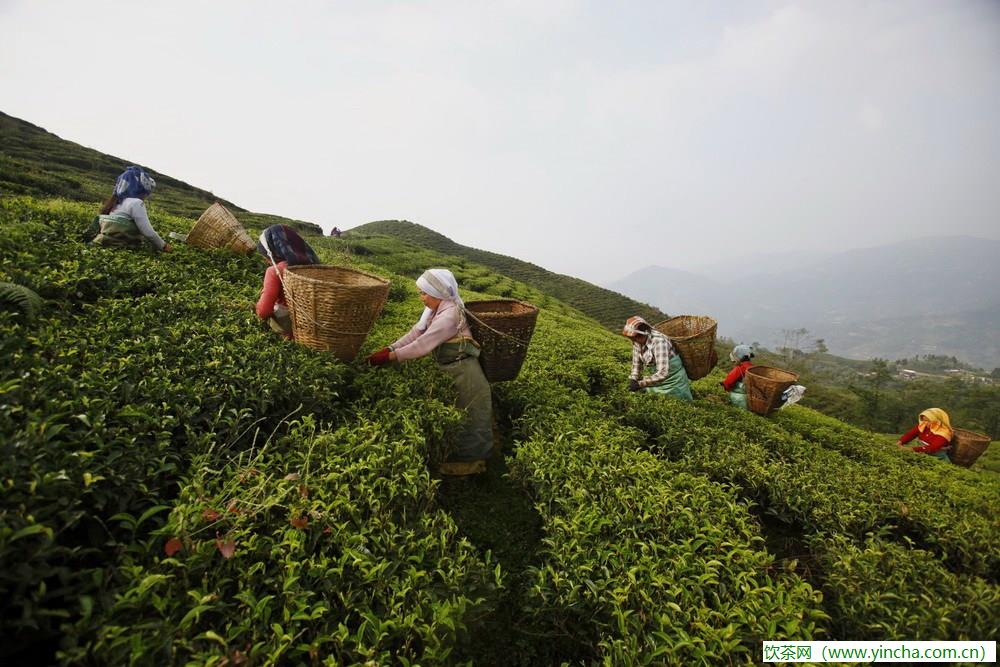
column 218, row 228
column 694, row 338
column 966, row 447
column 503, row 328
column 764, row 386
column 333, row 308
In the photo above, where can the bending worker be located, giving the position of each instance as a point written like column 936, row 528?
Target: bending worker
column 123, row 221
column 741, row 356
column 934, row 432
column 443, row 333
column 652, row 348
column 282, row 247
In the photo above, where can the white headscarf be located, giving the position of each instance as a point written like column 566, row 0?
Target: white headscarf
column 440, row 284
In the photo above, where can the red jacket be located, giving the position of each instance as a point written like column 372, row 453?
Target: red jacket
column 932, row 441
column 736, row 375
column 271, row 293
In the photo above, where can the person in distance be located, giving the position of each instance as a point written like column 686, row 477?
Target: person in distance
column 443, row 333
column 123, row 221
column 652, row 348
column 741, row 356
column 282, row 246
column 934, row 433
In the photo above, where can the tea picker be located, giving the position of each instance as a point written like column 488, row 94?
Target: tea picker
column 443, row 333
column 282, row 247
column 733, row 382
column 934, row 433
column 123, row 221
column 652, row 348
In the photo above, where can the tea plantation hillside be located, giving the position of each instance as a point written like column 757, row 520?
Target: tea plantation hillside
column 180, row 486
column 609, row 308
column 36, row 162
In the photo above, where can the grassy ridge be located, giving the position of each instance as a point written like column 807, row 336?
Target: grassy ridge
column 609, row 308
column 36, row 162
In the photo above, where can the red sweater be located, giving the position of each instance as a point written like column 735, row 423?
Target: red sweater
column 271, row 293
column 932, row 441
column 736, row 375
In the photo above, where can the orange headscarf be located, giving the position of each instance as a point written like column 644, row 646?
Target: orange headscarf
column 937, row 422
column 634, row 326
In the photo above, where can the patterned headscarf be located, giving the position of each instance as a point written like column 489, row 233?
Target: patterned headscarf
column 133, row 182
column 440, row 284
column 937, row 422
column 635, row 325
column 281, row 243
column 740, row 351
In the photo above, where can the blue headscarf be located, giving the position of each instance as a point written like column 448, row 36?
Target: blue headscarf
column 281, row 243
column 133, row 182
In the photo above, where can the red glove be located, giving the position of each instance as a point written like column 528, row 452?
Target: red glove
column 380, row 358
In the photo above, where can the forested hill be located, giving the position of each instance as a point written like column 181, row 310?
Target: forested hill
column 33, row 161
column 607, row 307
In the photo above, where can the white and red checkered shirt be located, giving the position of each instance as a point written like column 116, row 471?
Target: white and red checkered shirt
column 658, row 349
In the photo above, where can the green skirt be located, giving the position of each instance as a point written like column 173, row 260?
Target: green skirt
column 119, row 231
column 738, row 396
column 676, row 383
column 461, row 362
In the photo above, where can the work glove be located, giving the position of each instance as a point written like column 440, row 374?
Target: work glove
column 633, row 385
column 380, row 358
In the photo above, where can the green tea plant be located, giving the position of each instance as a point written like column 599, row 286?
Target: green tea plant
column 317, row 546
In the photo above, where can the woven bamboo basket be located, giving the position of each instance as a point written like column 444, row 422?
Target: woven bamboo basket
column 333, row 308
column 503, row 329
column 694, row 338
column 218, row 228
column 967, row 446
column 764, row 386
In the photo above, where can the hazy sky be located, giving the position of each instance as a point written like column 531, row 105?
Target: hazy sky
column 592, row 138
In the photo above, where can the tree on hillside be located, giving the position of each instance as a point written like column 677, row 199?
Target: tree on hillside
column 793, row 339
column 995, row 374
column 819, row 346
column 872, row 394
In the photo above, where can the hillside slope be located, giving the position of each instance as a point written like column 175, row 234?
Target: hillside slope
column 34, row 161
column 607, row 307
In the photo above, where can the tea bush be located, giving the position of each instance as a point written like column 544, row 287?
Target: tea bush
column 336, row 556
column 142, row 364
column 644, row 563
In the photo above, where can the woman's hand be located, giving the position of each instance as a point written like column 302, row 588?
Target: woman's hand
column 167, row 247
column 633, row 385
column 380, row 358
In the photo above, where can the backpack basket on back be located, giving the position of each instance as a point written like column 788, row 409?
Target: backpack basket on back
column 333, row 308
column 764, row 386
column 503, row 329
column 694, row 338
column 966, row 446
column 218, row 228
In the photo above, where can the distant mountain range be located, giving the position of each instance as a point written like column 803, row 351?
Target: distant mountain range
column 938, row 295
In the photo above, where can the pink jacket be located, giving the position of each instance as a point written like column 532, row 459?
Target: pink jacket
column 443, row 326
